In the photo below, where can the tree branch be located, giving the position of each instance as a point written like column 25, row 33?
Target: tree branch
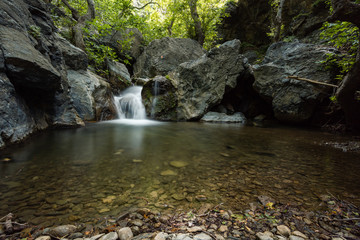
column 146, row 5
column 312, row 81
column 75, row 14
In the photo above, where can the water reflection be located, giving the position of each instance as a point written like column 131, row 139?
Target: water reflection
column 105, row 168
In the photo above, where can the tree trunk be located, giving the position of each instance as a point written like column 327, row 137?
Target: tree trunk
column 200, row 37
column 78, row 38
column 345, row 10
column 278, row 21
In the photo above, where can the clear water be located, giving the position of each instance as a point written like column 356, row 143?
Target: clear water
column 105, row 168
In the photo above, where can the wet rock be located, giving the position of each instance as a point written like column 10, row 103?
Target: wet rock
column 223, row 117
column 125, row 233
column 161, row 236
column 75, row 58
column 265, row 236
column 137, row 222
column 293, row 100
column 292, row 237
column 62, row 231
column 299, row 234
column 202, row 83
column 168, row 173
column 182, row 236
column 178, row 164
column 110, row 236
column 163, row 55
column 223, row 228
column 283, row 230
column 119, row 76
column 43, row 238
column 202, row 236
column 201, row 198
column 195, row 229
column 159, row 98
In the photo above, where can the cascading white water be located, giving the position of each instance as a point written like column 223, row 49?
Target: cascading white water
column 154, row 102
column 129, row 104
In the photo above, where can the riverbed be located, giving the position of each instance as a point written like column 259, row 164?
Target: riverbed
column 70, row 175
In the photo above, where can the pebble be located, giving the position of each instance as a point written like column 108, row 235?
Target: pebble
column 264, row 236
column 62, row 231
column 178, row 164
column 110, row 236
column 137, row 222
column 43, row 238
column 292, row 237
column 283, row 230
column 194, row 229
column 168, row 173
column 161, row 236
column 202, row 236
column 223, row 228
column 299, row 234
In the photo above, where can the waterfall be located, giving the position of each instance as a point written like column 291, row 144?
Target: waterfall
column 154, row 102
column 129, row 104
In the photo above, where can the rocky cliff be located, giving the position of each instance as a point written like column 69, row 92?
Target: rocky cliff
column 41, row 74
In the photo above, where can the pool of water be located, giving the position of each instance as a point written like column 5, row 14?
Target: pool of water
column 105, row 168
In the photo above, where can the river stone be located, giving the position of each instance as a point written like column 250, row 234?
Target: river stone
column 62, row 231
column 292, row 237
column 293, row 100
column 264, row 236
column 299, row 234
column 163, row 55
column 43, row 238
column 283, row 230
column 168, row 173
column 110, row 236
column 125, row 233
column 161, row 236
column 202, row 236
column 178, row 164
column 182, row 236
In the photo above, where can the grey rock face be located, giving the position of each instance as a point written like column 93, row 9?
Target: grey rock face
column 201, row 84
column 292, row 100
column 85, row 89
column 25, row 65
column 119, row 76
column 75, row 58
column 160, row 99
column 34, row 81
column 15, row 118
column 163, row 55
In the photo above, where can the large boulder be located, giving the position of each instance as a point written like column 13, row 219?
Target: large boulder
column 34, row 83
column 75, row 58
column 163, row 55
column 194, row 87
column 26, row 66
column 293, row 100
column 160, row 99
column 16, row 121
column 85, row 87
column 119, row 76
column 202, row 84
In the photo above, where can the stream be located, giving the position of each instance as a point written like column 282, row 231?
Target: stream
column 75, row 175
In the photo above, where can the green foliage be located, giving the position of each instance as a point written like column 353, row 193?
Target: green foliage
column 343, row 36
column 34, row 31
